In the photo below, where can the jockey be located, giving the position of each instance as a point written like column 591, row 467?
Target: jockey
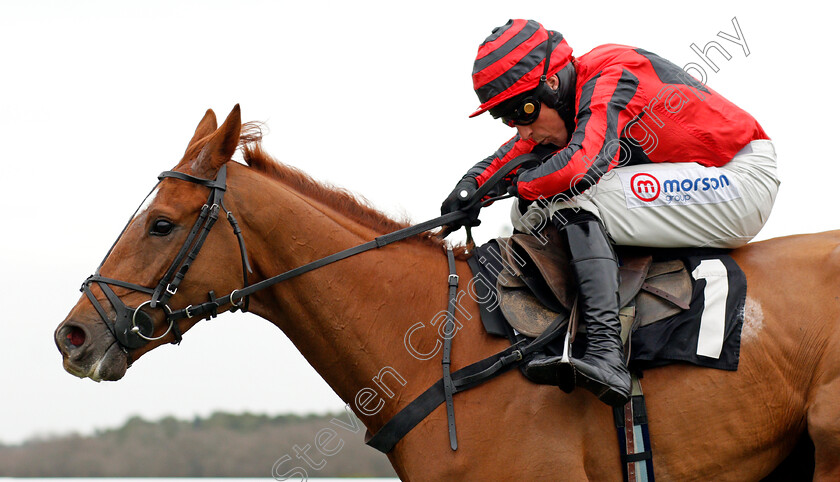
column 633, row 151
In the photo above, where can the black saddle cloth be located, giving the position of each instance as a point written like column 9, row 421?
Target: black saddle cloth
column 707, row 334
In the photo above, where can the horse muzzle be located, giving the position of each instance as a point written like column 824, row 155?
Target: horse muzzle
column 90, row 351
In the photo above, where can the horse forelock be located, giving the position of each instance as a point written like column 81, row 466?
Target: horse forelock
column 342, row 200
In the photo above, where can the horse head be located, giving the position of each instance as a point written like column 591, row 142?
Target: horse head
column 126, row 306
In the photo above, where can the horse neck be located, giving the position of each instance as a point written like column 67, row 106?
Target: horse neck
column 349, row 319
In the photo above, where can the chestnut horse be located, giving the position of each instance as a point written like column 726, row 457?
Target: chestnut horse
column 350, row 320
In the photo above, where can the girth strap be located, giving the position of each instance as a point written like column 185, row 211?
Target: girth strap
column 631, row 423
column 448, row 334
column 468, row 377
column 395, row 429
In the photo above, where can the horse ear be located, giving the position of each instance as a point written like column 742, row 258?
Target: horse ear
column 222, row 144
column 206, row 127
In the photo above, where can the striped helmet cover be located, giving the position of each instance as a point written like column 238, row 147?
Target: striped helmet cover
column 511, row 61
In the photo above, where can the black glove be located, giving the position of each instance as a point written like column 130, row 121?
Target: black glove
column 457, row 201
column 459, row 196
column 512, row 189
column 526, row 166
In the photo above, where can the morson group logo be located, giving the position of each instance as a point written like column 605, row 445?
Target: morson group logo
column 644, row 186
column 696, row 185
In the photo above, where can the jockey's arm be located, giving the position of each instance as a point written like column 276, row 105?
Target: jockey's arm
column 485, row 168
column 594, row 146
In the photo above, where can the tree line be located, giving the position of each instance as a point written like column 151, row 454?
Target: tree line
column 221, row 445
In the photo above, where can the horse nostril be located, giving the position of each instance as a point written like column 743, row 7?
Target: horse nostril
column 76, row 336
column 71, row 339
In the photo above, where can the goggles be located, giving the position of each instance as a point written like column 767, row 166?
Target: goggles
column 520, row 111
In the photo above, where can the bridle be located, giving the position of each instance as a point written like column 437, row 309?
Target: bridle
column 132, row 327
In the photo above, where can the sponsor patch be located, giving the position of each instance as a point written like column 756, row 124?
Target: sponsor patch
column 700, row 185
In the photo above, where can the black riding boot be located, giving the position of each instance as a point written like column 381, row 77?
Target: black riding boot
column 602, row 369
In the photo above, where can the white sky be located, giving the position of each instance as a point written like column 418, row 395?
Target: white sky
column 98, row 97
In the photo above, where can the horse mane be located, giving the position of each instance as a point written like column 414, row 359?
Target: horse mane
column 342, row 200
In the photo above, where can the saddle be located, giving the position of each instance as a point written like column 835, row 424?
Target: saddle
column 536, row 285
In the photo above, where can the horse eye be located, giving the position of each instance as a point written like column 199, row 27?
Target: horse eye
column 161, row 227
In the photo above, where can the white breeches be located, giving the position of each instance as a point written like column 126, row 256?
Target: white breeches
column 674, row 205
